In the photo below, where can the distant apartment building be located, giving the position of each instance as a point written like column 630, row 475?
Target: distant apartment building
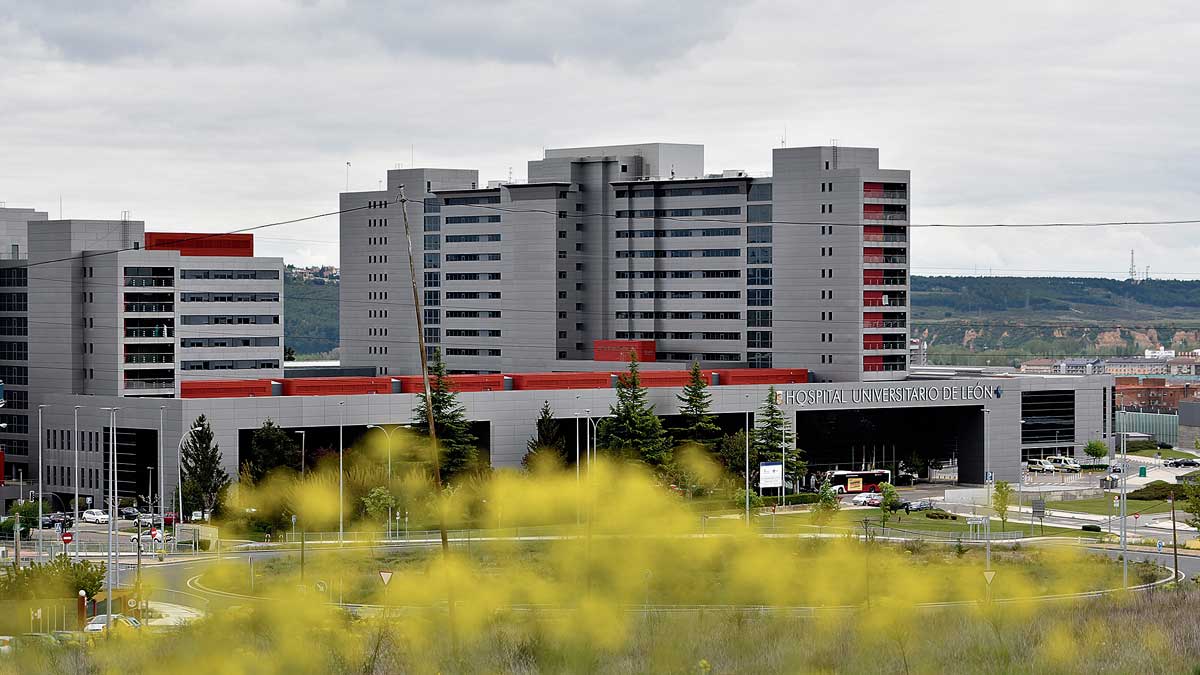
column 1039, row 366
column 1135, row 365
column 805, row 268
column 1160, row 353
column 1153, row 393
column 1184, row 365
column 1081, row 367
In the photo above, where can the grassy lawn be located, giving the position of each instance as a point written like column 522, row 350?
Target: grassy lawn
column 1166, row 454
column 1102, row 506
column 916, row 521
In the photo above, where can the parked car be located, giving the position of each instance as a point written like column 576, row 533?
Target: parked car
column 128, row 513
column 861, row 498
column 169, row 519
column 1182, row 462
column 6, row 644
column 1042, row 466
column 99, row 623
column 148, row 519
column 919, row 505
column 1064, row 464
column 875, row 499
column 49, row 520
column 95, row 516
column 1116, row 468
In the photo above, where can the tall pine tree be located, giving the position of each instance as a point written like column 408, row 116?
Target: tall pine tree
column 459, row 454
column 547, row 449
column 634, row 431
column 771, row 435
column 204, row 479
column 696, row 422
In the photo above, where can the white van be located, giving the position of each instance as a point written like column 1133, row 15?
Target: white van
column 1042, row 466
column 1067, row 464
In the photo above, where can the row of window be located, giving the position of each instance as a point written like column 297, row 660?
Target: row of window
column 14, row 302
column 14, row 325
column 680, row 213
column 229, row 342
column 377, row 241
column 229, row 274
column 231, row 364
column 462, row 238
column 679, row 295
column 683, row 253
column 472, row 276
column 14, row 375
column 16, row 399
column 14, row 351
column 681, row 232
column 758, row 276
column 470, row 201
column 705, row 356
column 680, row 274
column 472, row 295
column 472, row 314
column 14, row 277
column 471, row 257
column 228, row 319
column 705, row 316
column 467, row 220
column 676, row 335
column 455, row 351
column 377, row 222
column 229, row 297
column 472, row 332
column 623, row 193
column 373, row 259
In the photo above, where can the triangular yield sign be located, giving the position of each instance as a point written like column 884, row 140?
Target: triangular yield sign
column 386, row 576
column 989, row 575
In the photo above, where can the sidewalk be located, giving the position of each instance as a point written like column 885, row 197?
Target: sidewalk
column 172, row 615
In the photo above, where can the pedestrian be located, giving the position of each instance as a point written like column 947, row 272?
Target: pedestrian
column 1160, row 545
column 268, row 537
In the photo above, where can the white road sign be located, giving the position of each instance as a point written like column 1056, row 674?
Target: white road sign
column 770, row 474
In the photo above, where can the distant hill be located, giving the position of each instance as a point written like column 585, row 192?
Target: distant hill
column 310, row 315
column 1004, row 320
column 967, row 320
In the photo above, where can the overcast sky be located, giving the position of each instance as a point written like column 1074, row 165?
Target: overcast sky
column 218, row 114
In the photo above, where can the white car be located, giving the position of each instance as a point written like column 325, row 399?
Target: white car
column 99, row 623
column 95, row 516
column 861, row 498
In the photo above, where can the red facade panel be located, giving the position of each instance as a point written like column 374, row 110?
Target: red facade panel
column 872, row 251
column 872, row 342
column 413, row 384
column 224, row 388
column 872, row 229
column 201, row 244
column 531, row 381
column 668, row 378
column 333, row 386
column 619, row 350
column 872, row 208
column 763, row 376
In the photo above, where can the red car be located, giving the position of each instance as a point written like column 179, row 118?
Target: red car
column 169, row 519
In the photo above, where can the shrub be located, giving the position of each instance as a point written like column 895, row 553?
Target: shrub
column 940, row 515
column 1090, row 528
column 1154, row 491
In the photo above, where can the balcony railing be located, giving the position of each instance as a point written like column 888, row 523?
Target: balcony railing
column 884, row 302
column 149, row 307
column 149, row 358
column 885, row 323
column 884, row 281
column 891, row 259
column 883, row 346
column 150, row 384
column 141, row 282
column 896, row 238
column 883, row 367
column 878, row 215
column 885, row 194
column 157, row 332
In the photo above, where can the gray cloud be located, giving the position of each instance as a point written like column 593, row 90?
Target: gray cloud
column 223, row 114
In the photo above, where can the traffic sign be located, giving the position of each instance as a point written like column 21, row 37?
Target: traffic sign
column 1136, row 516
column 386, row 576
column 88, row 500
column 321, row 586
column 989, row 476
column 770, row 474
column 67, row 537
column 988, row 575
column 132, row 603
column 1039, row 508
column 976, row 521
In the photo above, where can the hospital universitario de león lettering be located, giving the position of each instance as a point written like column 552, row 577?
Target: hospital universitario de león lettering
column 858, row 396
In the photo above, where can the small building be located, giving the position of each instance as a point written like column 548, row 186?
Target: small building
column 1135, row 365
column 1183, row 365
column 1154, row 393
column 1040, row 366
column 1081, row 367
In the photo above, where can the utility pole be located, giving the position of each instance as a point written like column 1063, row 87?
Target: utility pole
column 1124, row 527
column 41, row 470
column 433, row 442
column 1174, row 536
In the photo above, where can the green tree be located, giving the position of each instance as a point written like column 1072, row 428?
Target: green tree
column 827, row 505
column 59, row 578
column 770, row 440
column 890, row 502
column 730, row 452
column 204, row 479
column 1196, row 443
column 458, row 452
column 271, row 447
column 633, row 431
column 378, row 503
column 1002, row 495
column 696, row 422
column 1191, row 505
column 1096, row 449
column 289, row 354
column 547, row 449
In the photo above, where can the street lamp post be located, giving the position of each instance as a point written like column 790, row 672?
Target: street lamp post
column 987, row 462
column 747, row 434
column 341, row 475
column 162, row 503
column 179, row 477
column 387, row 435
column 1124, row 527
column 41, row 469
column 301, row 452
column 112, row 514
column 75, row 479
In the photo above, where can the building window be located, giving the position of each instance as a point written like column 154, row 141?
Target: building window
column 433, row 224
column 758, row 276
column 758, row 213
column 760, row 192
column 433, row 279
column 433, row 261
column 758, row 297
column 433, row 242
column 758, row 318
column 758, row 255
column 433, row 298
column 758, row 234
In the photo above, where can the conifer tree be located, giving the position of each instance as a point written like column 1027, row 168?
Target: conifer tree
column 768, row 439
column 547, row 448
column 459, row 453
column 695, row 403
column 634, row 431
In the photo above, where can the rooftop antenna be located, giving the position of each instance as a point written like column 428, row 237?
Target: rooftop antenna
column 783, row 138
column 412, row 156
column 833, row 142
column 347, row 176
column 1132, row 267
column 510, row 174
column 1147, row 277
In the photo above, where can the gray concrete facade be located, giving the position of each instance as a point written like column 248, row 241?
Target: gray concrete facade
column 802, row 269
